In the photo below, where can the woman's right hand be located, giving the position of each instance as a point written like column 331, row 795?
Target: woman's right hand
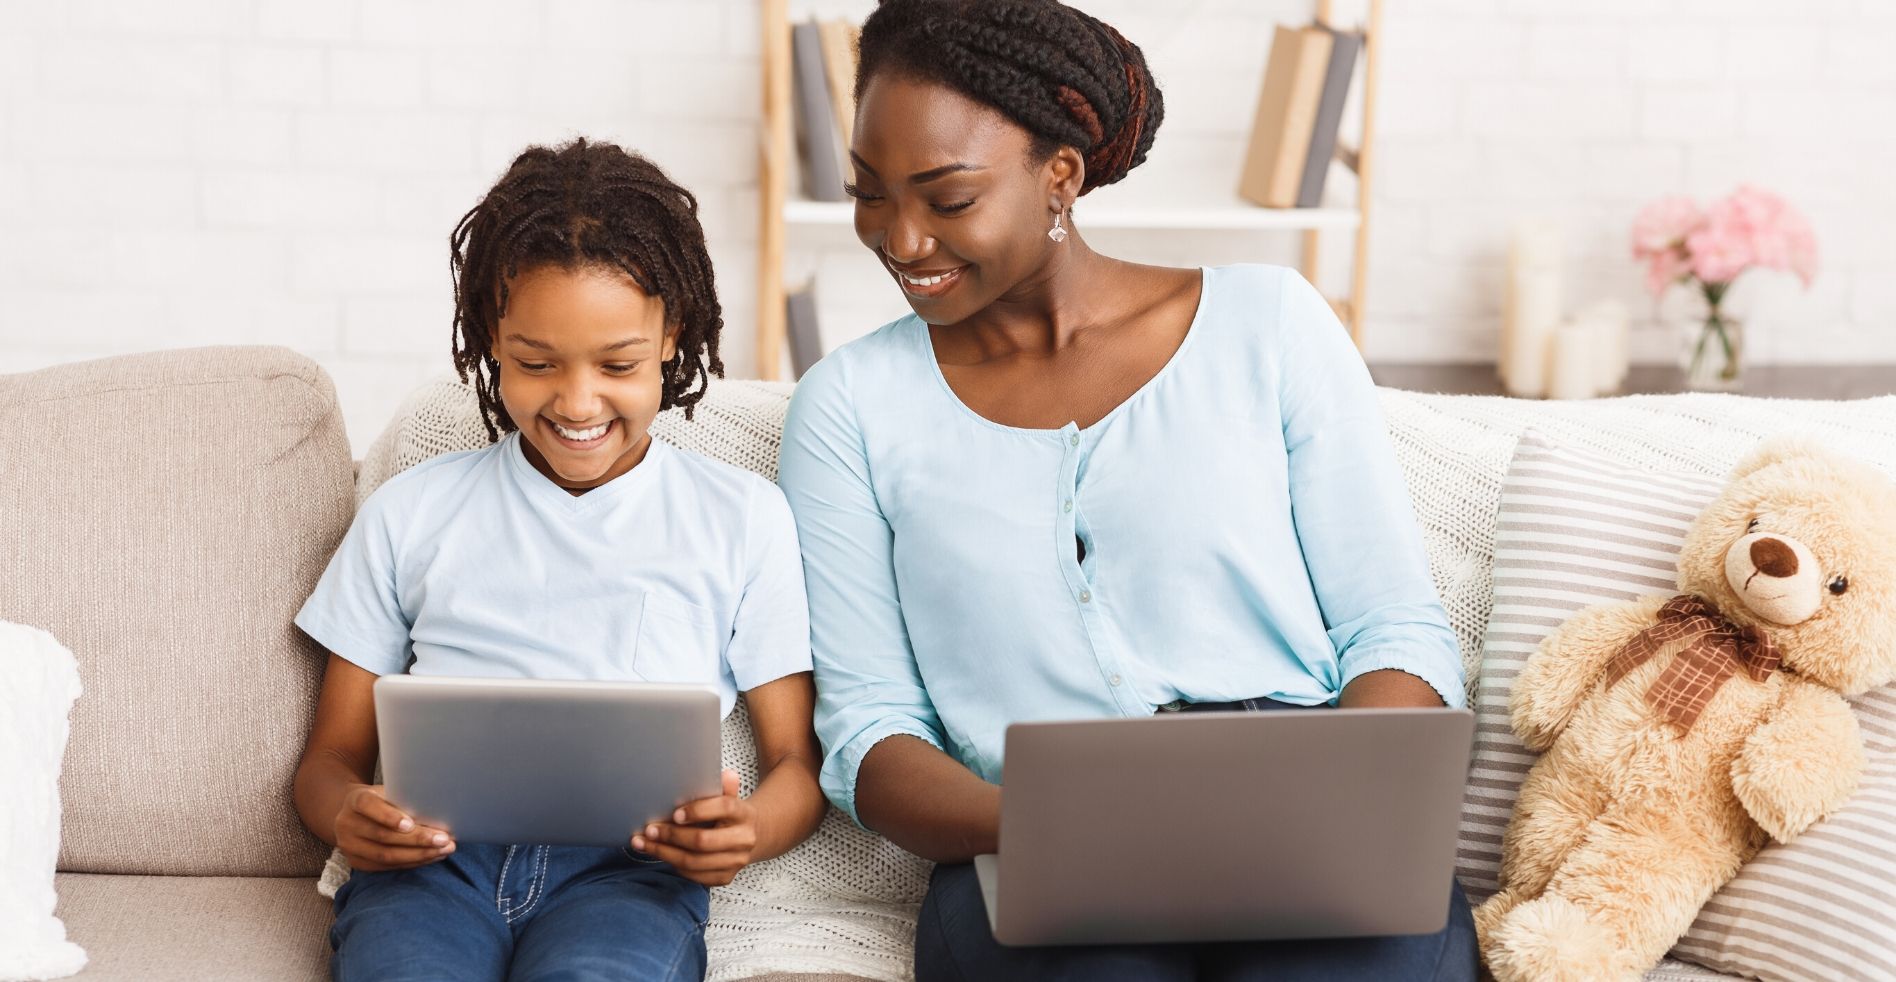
column 375, row 835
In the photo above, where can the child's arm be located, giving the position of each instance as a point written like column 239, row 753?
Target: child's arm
column 711, row 839
column 333, row 793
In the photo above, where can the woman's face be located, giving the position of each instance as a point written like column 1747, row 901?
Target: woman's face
column 949, row 198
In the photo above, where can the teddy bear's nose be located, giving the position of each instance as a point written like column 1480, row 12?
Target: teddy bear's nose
column 1773, row 558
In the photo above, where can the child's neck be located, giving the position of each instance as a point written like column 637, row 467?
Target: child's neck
column 624, row 465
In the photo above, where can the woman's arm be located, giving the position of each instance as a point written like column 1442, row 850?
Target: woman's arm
column 1350, row 505
column 869, row 687
column 928, row 803
column 1388, row 687
column 332, row 787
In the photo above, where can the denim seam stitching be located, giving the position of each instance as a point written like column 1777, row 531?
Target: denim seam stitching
column 678, row 955
column 534, row 894
column 500, row 900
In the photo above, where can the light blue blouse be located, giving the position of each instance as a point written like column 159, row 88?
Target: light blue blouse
column 1247, row 533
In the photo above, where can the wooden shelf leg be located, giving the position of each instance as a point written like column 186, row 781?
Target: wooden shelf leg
column 773, row 181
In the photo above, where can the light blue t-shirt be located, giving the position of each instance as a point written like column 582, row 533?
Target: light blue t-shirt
column 1247, row 530
column 684, row 569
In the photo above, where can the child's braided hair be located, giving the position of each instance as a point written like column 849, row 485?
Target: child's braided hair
column 583, row 204
column 1061, row 74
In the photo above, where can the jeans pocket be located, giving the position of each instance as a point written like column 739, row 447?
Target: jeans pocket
column 640, row 857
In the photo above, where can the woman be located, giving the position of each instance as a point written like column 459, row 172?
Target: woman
column 1070, row 486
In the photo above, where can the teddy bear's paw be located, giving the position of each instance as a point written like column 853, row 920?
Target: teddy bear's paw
column 1490, row 914
column 1548, row 939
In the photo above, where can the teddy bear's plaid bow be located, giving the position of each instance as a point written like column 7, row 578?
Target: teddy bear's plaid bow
column 1714, row 650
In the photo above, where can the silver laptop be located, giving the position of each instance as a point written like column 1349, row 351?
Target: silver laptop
column 558, row 763
column 1228, row 827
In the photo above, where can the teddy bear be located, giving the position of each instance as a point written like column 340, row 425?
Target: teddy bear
column 1679, row 733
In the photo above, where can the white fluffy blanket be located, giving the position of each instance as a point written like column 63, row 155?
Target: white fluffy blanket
column 39, row 681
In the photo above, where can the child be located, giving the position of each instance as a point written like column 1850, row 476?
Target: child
column 575, row 547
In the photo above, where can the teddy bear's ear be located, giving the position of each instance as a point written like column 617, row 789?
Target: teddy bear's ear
column 1778, row 448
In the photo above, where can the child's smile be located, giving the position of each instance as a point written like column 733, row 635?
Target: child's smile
column 582, row 355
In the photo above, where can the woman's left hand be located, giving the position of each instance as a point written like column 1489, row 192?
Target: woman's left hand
column 707, row 840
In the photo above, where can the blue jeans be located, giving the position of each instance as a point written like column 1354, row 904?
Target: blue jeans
column 953, row 943
column 490, row 912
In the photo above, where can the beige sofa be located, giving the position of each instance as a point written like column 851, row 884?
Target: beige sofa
column 164, row 515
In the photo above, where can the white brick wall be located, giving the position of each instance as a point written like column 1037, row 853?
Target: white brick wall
column 186, row 172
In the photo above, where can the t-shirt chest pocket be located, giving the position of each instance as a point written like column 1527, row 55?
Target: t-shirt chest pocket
column 677, row 641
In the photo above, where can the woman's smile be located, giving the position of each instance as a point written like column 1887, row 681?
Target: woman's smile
column 928, row 284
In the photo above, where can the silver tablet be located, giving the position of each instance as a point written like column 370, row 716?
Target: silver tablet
column 557, row 763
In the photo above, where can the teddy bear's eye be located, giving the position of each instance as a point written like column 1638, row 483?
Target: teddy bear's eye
column 1752, row 526
column 1840, row 584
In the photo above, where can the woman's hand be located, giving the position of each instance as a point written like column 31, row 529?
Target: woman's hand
column 708, row 840
column 375, row 835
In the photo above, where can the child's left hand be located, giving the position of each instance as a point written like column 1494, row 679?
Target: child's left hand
column 707, row 840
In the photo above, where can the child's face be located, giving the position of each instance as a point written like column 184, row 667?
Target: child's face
column 581, row 353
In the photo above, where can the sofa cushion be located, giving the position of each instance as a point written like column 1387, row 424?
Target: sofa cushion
column 215, row 929
column 164, row 516
column 196, row 928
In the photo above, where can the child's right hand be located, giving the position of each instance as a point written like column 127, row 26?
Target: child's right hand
column 375, row 835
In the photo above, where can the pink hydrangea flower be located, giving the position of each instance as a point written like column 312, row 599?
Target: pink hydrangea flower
column 1750, row 227
column 1663, row 225
column 1664, row 269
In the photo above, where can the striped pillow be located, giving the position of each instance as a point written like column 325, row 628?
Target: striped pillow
column 1574, row 530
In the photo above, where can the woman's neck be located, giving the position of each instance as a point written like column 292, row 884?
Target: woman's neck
column 1075, row 290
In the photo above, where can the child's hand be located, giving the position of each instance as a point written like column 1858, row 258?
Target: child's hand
column 375, row 835
column 707, row 840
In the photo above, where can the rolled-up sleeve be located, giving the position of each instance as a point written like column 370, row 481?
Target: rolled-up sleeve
column 867, row 683
column 1350, row 506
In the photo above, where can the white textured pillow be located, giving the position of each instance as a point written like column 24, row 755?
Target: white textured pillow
column 1575, row 529
column 40, row 683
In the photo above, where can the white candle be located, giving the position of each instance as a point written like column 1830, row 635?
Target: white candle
column 1536, row 243
column 1612, row 329
column 1535, row 303
column 1572, row 371
column 1534, row 246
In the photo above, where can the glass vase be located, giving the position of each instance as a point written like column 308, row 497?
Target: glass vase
column 1713, row 355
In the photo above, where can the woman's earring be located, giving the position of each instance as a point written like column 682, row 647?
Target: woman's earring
column 1056, row 233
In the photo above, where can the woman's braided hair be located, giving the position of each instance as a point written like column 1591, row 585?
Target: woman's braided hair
column 577, row 205
column 1064, row 76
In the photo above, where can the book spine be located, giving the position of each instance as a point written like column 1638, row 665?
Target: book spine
column 1336, row 90
column 806, row 338
column 816, row 119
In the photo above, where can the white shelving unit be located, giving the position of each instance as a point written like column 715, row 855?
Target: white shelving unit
column 778, row 212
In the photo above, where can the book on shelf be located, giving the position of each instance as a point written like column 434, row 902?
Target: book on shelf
column 1345, row 47
column 801, row 329
column 1286, row 117
column 819, row 153
column 840, row 39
